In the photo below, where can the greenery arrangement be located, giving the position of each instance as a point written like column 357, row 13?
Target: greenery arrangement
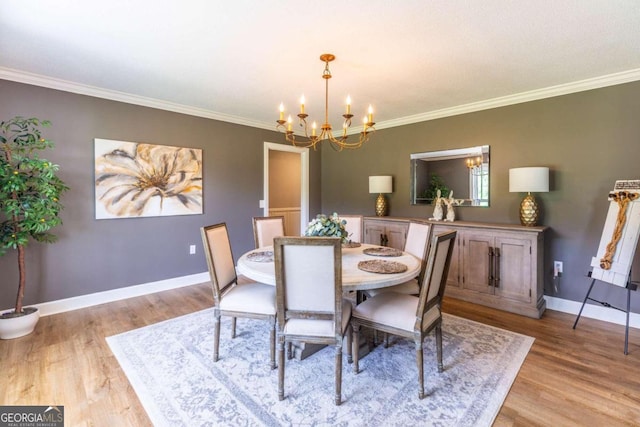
column 29, row 192
column 436, row 183
column 330, row 226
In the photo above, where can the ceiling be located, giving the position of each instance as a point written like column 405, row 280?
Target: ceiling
column 236, row 60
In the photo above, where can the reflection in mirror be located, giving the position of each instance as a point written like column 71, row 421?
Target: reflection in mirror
column 465, row 171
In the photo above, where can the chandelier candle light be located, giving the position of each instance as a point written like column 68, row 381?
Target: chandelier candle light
column 326, row 133
column 473, row 162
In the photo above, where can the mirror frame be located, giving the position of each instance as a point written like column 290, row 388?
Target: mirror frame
column 458, row 153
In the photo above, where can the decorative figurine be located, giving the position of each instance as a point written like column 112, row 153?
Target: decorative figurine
column 438, row 212
column 451, row 214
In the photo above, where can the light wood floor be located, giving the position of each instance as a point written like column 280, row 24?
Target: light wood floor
column 569, row 378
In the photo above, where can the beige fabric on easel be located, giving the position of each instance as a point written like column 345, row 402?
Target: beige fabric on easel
column 622, row 198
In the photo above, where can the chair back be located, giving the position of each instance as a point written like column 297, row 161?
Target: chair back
column 354, row 227
column 217, row 250
column 308, row 278
column 265, row 228
column 417, row 239
column 417, row 243
column 435, row 278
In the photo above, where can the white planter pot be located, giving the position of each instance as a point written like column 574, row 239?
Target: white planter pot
column 16, row 327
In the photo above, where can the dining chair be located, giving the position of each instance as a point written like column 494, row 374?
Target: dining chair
column 411, row 316
column 310, row 306
column 230, row 298
column 354, row 227
column 265, row 228
column 417, row 244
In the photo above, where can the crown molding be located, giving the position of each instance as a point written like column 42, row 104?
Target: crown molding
column 113, row 95
column 534, row 95
column 518, row 98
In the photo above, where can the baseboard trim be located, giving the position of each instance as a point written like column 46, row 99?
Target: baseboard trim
column 84, row 301
column 592, row 311
column 68, row 304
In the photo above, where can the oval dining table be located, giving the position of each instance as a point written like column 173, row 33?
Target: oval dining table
column 262, row 269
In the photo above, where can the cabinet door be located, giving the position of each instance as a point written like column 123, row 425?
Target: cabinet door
column 477, row 264
column 513, row 268
column 373, row 232
column 396, row 235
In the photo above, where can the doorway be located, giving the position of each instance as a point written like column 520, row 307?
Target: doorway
column 290, row 198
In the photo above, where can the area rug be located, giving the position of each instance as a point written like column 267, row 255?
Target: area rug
column 170, row 367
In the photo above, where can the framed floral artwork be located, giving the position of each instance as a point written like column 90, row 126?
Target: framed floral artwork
column 135, row 179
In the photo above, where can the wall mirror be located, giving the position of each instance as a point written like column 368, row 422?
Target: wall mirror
column 465, row 171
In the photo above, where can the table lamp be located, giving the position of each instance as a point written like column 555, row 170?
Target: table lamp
column 527, row 180
column 381, row 185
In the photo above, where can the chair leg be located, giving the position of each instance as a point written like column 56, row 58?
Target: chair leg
column 289, row 350
column 280, row 368
column 350, row 344
column 216, row 337
column 233, row 327
column 419, row 362
column 338, row 397
column 272, row 345
column 386, row 340
column 356, row 348
column 439, row 347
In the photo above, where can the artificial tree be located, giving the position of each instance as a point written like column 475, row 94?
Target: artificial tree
column 29, row 192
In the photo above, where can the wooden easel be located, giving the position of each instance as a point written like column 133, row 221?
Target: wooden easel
column 618, row 246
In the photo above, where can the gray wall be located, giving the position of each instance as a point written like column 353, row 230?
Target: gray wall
column 588, row 140
column 97, row 255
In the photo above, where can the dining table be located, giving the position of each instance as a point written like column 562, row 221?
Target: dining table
column 258, row 265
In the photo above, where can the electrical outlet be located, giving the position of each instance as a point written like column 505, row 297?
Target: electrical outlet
column 192, row 249
column 557, row 268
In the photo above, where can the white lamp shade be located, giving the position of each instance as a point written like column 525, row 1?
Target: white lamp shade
column 380, row 184
column 525, row 180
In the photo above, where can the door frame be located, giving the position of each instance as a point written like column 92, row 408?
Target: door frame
column 304, row 179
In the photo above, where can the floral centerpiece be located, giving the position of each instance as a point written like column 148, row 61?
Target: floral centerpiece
column 330, row 226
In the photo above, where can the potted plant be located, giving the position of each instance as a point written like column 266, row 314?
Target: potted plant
column 29, row 206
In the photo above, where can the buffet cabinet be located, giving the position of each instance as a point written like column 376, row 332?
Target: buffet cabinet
column 497, row 265
column 386, row 232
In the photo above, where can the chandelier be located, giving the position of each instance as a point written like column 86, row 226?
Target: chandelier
column 311, row 140
column 473, row 162
column 475, row 165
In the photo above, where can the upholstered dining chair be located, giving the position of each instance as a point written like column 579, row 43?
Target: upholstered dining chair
column 265, row 228
column 411, row 316
column 354, row 227
column 417, row 243
column 231, row 298
column 310, row 306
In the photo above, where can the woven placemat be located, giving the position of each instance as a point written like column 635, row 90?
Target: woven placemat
column 351, row 245
column 262, row 256
column 382, row 251
column 381, row 266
